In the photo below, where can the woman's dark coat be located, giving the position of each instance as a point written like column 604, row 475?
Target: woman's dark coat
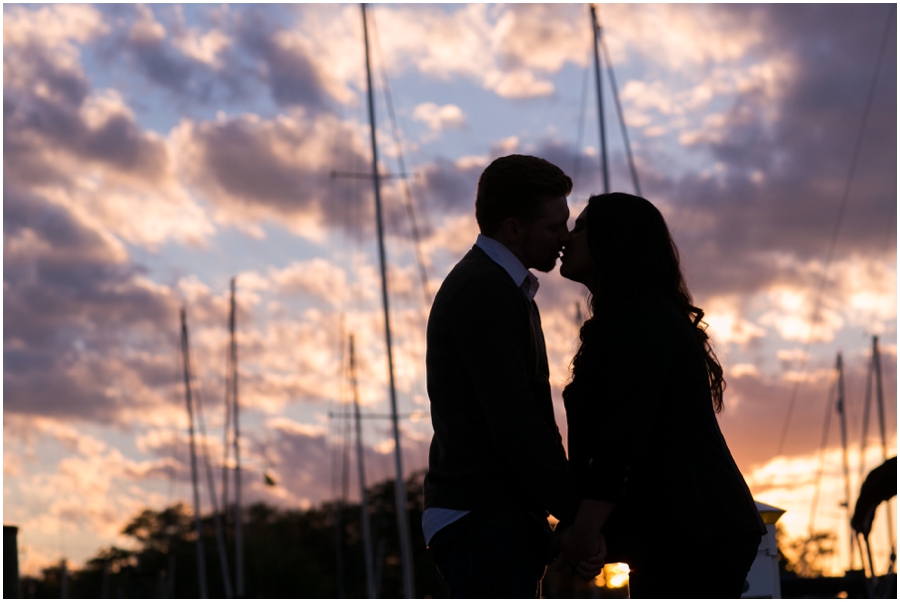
column 643, row 434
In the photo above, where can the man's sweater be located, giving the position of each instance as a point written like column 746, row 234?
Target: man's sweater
column 496, row 442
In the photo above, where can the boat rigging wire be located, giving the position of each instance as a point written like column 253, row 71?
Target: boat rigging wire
column 401, row 164
column 210, row 479
column 615, row 91
column 176, row 398
column 598, row 45
column 225, row 434
column 583, row 110
column 834, row 236
column 396, row 132
column 201, row 555
column 604, row 167
column 825, row 429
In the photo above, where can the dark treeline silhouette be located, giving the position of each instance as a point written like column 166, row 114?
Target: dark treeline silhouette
column 293, row 554
column 288, row 554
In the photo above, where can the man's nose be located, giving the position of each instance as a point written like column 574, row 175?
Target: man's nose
column 566, row 237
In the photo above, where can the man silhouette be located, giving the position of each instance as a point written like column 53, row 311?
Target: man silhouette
column 497, row 464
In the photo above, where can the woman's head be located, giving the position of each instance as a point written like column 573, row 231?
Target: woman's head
column 621, row 249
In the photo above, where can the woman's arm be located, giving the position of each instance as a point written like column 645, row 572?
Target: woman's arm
column 592, row 515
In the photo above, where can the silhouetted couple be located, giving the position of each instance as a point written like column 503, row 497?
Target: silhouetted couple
column 649, row 479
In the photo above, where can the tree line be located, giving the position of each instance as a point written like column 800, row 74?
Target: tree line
column 291, row 553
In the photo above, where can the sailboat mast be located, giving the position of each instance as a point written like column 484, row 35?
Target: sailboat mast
column 201, row 563
column 867, row 402
column 603, row 162
column 879, row 396
column 361, row 466
column 238, row 515
column 400, row 488
column 226, row 433
column 841, row 409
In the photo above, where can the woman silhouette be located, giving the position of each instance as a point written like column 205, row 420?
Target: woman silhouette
column 656, row 477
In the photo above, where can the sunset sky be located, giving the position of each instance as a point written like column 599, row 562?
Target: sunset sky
column 153, row 152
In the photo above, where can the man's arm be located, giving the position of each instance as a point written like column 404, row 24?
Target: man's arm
column 491, row 327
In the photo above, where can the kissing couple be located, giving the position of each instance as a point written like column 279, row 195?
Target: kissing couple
column 649, row 479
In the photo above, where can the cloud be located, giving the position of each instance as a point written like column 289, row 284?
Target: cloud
column 678, row 38
column 254, row 170
column 86, row 493
column 79, row 316
column 83, row 149
column 742, row 218
column 206, row 47
column 193, row 66
column 543, row 37
column 437, row 41
column 290, row 71
column 48, row 112
column 147, row 42
column 444, row 117
column 56, row 26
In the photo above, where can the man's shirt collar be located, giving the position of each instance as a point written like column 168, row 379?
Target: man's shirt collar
column 497, row 251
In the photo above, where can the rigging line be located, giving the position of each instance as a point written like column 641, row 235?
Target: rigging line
column 825, row 429
column 176, row 398
column 604, row 167
column 381, row 65
column 337, row 402
column 201, row 423
column 401, row 164
column 615, row 91
column 837, row 228
column 210, row 479
column 584, row 88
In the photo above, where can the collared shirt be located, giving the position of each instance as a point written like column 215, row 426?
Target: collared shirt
column 435, row 519
column 521, row 275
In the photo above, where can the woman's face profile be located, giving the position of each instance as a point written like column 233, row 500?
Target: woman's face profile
column 577, row 262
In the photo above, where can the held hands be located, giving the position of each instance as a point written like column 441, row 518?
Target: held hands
column 582, row 546
column 582, row 552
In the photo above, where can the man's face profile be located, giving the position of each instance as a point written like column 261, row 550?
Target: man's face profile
column 543, row 238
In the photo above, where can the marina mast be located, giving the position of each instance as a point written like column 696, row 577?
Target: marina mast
column 840, row 406
column 201, row 564
column 238, row 515
column 400, row 487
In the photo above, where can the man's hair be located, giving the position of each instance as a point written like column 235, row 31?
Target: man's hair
column 516, row 186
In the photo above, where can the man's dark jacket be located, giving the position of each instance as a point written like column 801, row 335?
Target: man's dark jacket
column 496, row 442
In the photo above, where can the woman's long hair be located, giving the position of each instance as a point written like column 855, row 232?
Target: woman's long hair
column 637, row 259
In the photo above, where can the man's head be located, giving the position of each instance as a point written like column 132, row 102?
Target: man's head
column 521, row 202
